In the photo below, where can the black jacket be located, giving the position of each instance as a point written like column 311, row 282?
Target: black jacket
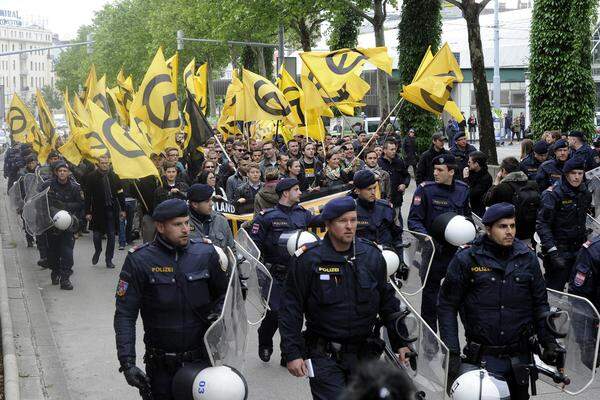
column 479, row 183
column 425, row 166
column 95, row 201
column 398, row 175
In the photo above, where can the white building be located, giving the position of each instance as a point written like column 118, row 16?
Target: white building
column 23, row 73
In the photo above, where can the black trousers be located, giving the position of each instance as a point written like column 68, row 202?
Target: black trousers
column 331, row 376
column 60, row 253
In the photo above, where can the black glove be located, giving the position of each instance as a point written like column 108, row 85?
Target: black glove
column 557, row 260
column 550, row 353
column 453, row 369
column 136, row 377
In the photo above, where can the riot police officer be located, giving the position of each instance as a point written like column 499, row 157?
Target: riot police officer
column 531, row 164
column 582, row 150
column 461, row 151
column 431, row 200
column 339, row 286
column 64, row 194
column 176, row 284
column 267, row 228
column 497, row 285
column 206, row 222
column 561, row 222
column 375, row 216
column 551, row 171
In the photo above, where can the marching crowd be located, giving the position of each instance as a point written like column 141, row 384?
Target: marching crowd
column 545, row 192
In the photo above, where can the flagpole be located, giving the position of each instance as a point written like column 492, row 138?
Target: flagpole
column 225, row 152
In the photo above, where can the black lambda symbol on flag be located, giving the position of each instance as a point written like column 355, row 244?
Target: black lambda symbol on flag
column 264, row 100
column 168, row 101
column 20, row 117
column 340, row 68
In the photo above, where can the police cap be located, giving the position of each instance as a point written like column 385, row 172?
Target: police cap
column 577, row 134
column 53, row 154
column 573, row 163
column 170, row 209
column 337, row 207
column 497, row 212
column 444, row 159
column 30, row 158
column 285, row 184
column 59, row 164
column 200, row 192
column 459, row 135
column 540, row 147
column 363, row 179
column 438, row 136
column 560, row 144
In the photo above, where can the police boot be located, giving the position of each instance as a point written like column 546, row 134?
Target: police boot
column 55, row 278
column 265, row 353
column 65, row 284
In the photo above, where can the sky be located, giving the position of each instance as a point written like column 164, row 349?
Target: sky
column 63, row 16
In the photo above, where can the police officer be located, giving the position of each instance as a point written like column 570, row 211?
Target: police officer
column 583, row 150
column 432, row 199
column 375, row 216
column 206, row 222
column 461, row 151
column 497, row 285
column 267, row 228
column 551, row 171
column 64, row 194
column 176, row 284
column 339, row 286
column 561, row 223
column 533, row 161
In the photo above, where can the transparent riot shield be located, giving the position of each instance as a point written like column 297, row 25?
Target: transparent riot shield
column 256, row 279
column 428, row 367
column 31, row 184
column 592, row 226
column 581, row 339
column 478, row 224
column 16, row 196
column 37, row 215
column 225, row 339
column 418, row 254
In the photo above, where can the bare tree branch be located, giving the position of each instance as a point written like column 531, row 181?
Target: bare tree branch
column 456, row 3
column 360, row 12
column 316, row 22
column 384, row 9
column 483, row 4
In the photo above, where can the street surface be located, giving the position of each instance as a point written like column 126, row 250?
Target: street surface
column 65, row 340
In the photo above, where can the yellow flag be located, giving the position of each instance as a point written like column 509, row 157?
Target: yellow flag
column 70, row 151
column 46, row 119
column 126, row 92
column 190, row 82
column 201, row 79
column 90, row 83
column 173, row 65
column 20, row 121
column 76, row 124
column 156, row 105
column 97, row 95
column 80, row 110
column 313, row 98
column 128, row 159
column 227, row 123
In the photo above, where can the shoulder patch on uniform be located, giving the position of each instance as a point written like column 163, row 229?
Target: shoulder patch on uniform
column 255, row 228
column 304, row 248
column 579, row 278
column 139, row 246
column 417, row 200
column 122, row 288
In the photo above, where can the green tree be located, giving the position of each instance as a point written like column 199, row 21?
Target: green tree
column 53, row 97
column 420, row 27
column 562, row 91
column 344, row 29
column 73, row 64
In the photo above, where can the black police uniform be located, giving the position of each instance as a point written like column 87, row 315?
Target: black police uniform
column 429, row 202
column 503, row 302
column 266, row 229
column 549, row 173
column 561, row 226
column 588, row 156
column 530, row 166
column 376, row 223
column 461, row 155
column 174, row 289
column 68, row 197
column 340, row 295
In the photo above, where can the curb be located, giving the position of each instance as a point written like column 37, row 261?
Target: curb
column 11, row 369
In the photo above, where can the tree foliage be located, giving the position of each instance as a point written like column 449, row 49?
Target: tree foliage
column 419, row 28
column 562, row 90
column 344, row 29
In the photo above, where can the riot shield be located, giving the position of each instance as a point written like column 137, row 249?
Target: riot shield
column 580, row 342
column 16, row 196
column 418, row 254
column 478, row 224
column 592, row 226
column 225, row 339
column 256, row 279
column 37, row 215
column 429, row 366
column 31, row 184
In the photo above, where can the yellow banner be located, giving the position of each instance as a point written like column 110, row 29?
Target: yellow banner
column 202, row 81
column 46, row 119
column 173, row 65
column 20, row 121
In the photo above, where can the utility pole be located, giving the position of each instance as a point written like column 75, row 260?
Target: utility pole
column 496, row 81
column 280, row 50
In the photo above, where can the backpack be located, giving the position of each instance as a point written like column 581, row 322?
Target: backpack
column 526, row 200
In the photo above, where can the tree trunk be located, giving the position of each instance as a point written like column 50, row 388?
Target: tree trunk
column 487, row 141
column 260, row 61
column 304, row 34
column 383, row 95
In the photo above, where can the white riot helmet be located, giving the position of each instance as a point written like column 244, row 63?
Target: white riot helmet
column 62, row 220
column 453, row 228
column 479, row 384
column 297, row 239
column 226, row 258
column 198, row 381
column 392, row 261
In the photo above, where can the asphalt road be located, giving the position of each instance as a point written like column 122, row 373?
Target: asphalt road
column 66, row 339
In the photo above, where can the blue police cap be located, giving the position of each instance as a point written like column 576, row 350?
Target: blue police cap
column 285, row 184
column 459, row 135
column 573, row 163
column 170, row 209
column 496, row 212
column 577, row 134
column 199, row 192
column 560, row 144
column 363, row 179
column 59, row 164
column 540, row 147
column 444, row 159
column 337, row 207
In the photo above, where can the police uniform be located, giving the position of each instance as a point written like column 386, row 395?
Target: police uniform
column 213, row 226
column 429, row 202
column 551, row 171
column 561, row 226
column 530, row 165
column 585, row 153
column 175, row 290
column 266, row 230
column 502, row 299
column 461, row 155
column 375, row 218
column 340, row 295
column 68, row 197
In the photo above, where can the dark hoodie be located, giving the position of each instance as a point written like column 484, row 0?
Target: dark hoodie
column 266, row 197
column 425, row 166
